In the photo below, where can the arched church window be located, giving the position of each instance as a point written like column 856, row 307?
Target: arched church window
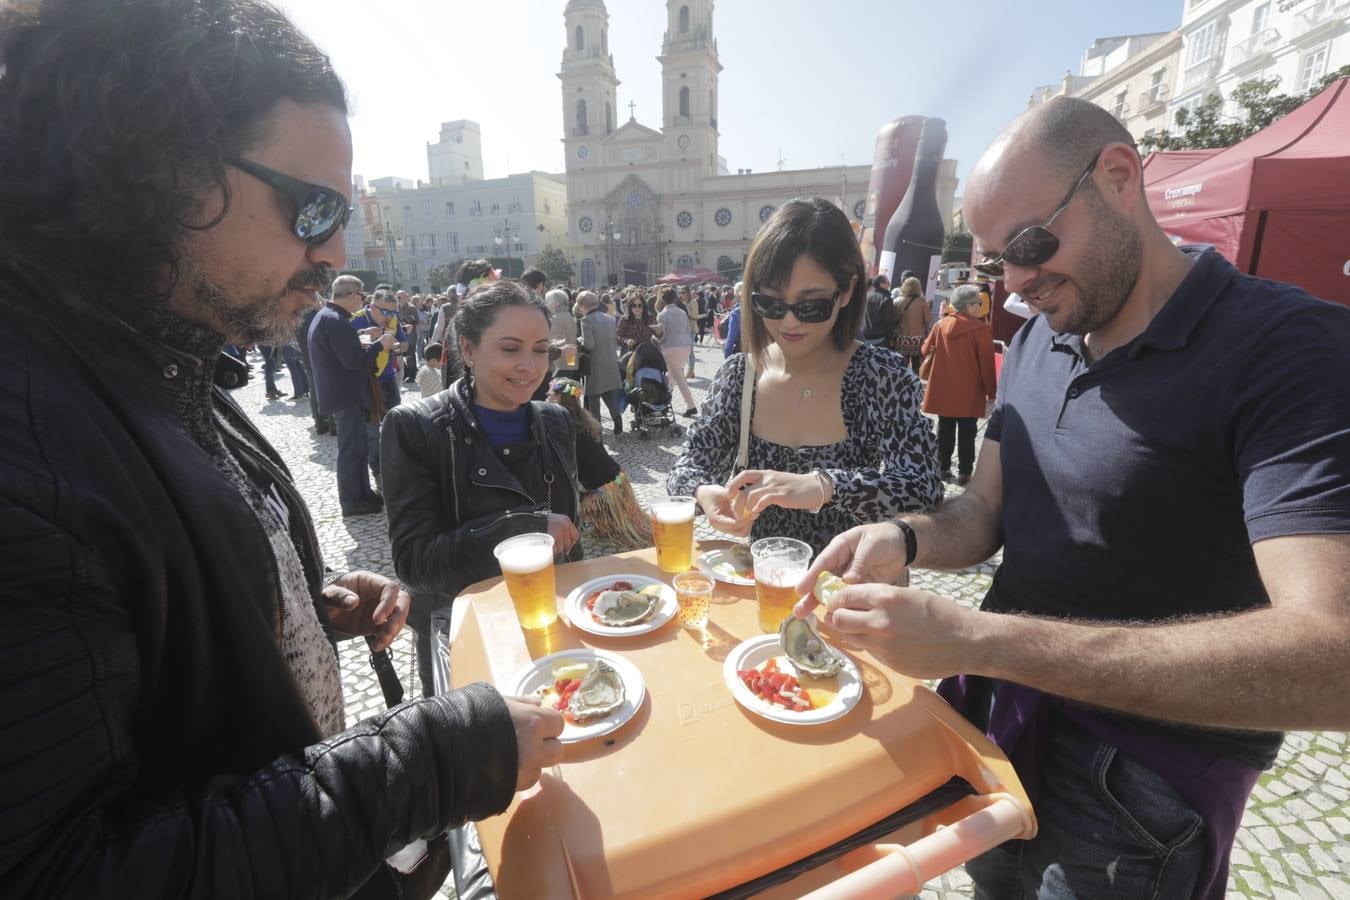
column 684, row 101
column 604, row 40
column 587, row 273
column 581, row 117
column 581, row 39
column 684, row 19
column 609, row 117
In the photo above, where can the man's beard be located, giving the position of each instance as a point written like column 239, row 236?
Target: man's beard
column 1108, row 272
column 258, row 319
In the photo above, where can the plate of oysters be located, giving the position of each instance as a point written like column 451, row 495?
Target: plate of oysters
column 795, row 676
column 595, row 690
column 621, row 605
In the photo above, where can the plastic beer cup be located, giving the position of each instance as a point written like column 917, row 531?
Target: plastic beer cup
column 673, row 529
column 779, row 564
column 526, row 561
column 693, row 592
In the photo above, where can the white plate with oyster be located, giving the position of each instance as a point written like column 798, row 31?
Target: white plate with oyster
column 597, row 691
column 822, row 685
column 621, row 605
column 731, row 564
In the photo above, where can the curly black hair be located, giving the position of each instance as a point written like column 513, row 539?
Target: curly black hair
column 117, row 118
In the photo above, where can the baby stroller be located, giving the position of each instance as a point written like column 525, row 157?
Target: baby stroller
column 649, row 394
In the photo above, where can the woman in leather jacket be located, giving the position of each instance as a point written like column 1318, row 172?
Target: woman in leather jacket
column 474, row 465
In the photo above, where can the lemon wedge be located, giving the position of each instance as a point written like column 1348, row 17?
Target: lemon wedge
column 827, row 585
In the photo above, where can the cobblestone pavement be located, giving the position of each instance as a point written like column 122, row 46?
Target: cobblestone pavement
column 1295, row 836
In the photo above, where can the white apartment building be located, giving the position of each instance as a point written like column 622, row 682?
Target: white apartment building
column 408, row 230
column 1227, row 42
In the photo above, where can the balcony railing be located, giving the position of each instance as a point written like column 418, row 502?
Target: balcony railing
column 1255, row 48
column 1151, row 99
column 1326, row 17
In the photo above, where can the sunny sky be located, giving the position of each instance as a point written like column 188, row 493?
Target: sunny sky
column 806, row 81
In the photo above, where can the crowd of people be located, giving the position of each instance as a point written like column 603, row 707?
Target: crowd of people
column 1166, row 470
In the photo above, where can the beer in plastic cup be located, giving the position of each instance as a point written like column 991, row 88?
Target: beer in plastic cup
column 673, row 528
column 570, row 356
column 779, row 564
column 526, row 561
column 693, row 592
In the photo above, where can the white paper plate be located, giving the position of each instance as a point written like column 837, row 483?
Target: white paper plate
column 575, row 611
column 540, row 675
column 750, row 654
column 707, row 564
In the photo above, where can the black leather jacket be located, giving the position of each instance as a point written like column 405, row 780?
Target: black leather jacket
column 450, row 498
column 154, row 741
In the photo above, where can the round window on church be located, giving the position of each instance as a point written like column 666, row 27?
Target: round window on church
column 765, row 212
column 584, row 224
column 684, row 219
column 723, row 217
column 859, row 208
column 633, row 200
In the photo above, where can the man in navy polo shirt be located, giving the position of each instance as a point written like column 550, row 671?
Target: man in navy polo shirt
column 1168, row 474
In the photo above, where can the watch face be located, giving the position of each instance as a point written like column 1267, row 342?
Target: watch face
column 683, row 141
column 722, row 217
column 583, row 151
column 765, row 212
column 584, row 224
column 633, row 200
column 684, row 219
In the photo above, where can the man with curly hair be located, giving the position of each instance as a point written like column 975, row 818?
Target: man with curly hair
column 175, row 176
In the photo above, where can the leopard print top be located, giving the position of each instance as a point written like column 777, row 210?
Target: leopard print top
column 886, row 465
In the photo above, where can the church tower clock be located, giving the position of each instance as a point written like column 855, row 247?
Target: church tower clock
column 689, row 70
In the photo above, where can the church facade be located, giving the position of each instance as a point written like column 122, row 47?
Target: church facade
column 643, row 201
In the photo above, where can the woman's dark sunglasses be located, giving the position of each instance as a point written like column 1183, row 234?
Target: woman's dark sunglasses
column 1035, row 246
column 319, row 211
column 808, row 312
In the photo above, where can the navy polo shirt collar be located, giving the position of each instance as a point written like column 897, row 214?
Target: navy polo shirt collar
column 1172, row 327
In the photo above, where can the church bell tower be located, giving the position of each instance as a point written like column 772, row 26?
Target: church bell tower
column 589, row 85
column 689, row 70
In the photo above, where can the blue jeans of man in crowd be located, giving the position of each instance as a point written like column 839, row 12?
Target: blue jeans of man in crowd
column 392, row 394
column 353, row 482
column 299, row 380
column 270, row 367
column 1109, row 827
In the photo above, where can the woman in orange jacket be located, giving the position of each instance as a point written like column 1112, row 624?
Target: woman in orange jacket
column 961, row 380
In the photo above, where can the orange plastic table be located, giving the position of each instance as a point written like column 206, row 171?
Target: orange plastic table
column 695, row 795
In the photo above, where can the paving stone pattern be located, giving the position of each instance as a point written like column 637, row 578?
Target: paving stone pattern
column 1295, row 836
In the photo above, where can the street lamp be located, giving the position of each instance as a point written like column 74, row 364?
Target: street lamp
column 393, row 235
column 612, row 236
column 504, row 231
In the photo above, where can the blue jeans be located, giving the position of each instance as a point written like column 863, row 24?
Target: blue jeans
column 270, row 366
column 392, row 395
column 299, row 380
column 1109, row 827
column 353, row 482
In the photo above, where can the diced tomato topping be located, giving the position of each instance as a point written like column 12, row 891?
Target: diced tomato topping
column 621, row 586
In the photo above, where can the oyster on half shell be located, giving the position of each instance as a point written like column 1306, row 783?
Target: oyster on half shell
column 599, row 694
column 807, row 649
column 619, row 608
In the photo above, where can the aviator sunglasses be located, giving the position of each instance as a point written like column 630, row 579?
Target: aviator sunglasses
column 808, row 312
column 1034, row 246
column 319, row 211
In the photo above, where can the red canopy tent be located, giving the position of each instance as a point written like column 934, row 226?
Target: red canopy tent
column 1277, row 204
column 698, row 275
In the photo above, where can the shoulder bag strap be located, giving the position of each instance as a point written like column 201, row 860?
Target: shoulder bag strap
column 747, row 399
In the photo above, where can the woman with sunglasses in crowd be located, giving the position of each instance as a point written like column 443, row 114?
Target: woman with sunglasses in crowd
column 836, row 437
column 633, row 327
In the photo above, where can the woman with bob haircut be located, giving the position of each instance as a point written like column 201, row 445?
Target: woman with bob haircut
column 836, row 436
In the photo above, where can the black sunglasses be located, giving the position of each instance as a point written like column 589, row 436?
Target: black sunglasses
column 319, row 211
column 808, row 312
column 1034, row 246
